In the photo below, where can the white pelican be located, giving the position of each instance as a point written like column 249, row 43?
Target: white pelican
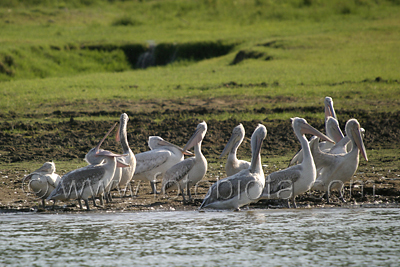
column 339, row 168
column 90, row 180
column 243, row 187
column 92, row 159
column 124, row 175
column 189, row 171
column 332, row 131
column 295, row 180
column 233, row 165
column 43, row 181
column 155, row 162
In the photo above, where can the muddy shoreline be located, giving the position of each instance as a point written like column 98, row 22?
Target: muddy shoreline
column 70, row 139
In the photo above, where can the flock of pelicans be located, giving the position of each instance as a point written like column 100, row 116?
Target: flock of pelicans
column 321, row 165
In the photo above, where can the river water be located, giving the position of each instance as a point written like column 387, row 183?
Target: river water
column 287, row 237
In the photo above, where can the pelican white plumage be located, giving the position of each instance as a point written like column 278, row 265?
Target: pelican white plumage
column 297, row 179
column 189, row 171
column 233, row 164
column 43, row 181
column 338, row 169
column 154, row 163
column 90, row 180
column 243, row 187
column 124, row 175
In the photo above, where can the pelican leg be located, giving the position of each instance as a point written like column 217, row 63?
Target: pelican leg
column 54, row 204
column 80, row 204
column 342, row 198
column 294, row 202
column 293, row 197
column 188, row 191
column 101, row 200
column 327, row 197
column 341, row 195
column 153, row 188
column 94, row 201
column 288, row 203
column 44, row 203
column 183, row 195
column 87, row 204
column 109, row 196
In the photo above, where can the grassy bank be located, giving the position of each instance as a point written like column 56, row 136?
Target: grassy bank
column 57, row 54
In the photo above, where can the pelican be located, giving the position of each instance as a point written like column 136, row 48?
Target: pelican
column 88, row 181
column 233, row 165
column 332, row 130
column 243, row 187
column 155, row 162
column 189, row 171
column 124, row 175
column 297, row 179
column 92, row 159
column 339, row 168
column 43, row 181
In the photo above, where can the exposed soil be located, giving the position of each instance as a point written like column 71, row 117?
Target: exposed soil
column 23, row 141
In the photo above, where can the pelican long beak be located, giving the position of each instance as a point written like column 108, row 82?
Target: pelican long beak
column 359, row 142
column 333, row 129
column 229, row 145
column 104, row 138
column 195, row 139
column 121, row 163
column 306, row 128
column 184, row 152
column 107, row 153
column 117, row 135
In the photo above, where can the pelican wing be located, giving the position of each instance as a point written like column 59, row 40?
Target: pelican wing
column 177, row 172
column 282, row 179
column 322, row 159
column 53, row 179
column 77, row 180
column 297, row 158
column 229, row 188
column 341, row 146
column 149, row 160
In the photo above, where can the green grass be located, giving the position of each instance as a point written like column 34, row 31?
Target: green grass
column 315, row 48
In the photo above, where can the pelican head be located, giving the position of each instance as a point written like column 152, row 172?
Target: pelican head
column 236, row 138
column 91, row 156
column 333, row 129
column 353, row 130
column 301, row 127
column 47, row 167
column 123, row 121
column 329, row 110
column 198, row 136
column 257, row 137
column 157, row 142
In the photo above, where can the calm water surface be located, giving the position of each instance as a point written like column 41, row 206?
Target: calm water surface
column 303, row 237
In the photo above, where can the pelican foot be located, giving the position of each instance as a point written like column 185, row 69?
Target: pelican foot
column 236, row 210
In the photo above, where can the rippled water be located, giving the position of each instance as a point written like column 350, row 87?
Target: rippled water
column 312, row 237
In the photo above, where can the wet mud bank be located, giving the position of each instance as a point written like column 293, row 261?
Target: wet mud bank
column 72, row 138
